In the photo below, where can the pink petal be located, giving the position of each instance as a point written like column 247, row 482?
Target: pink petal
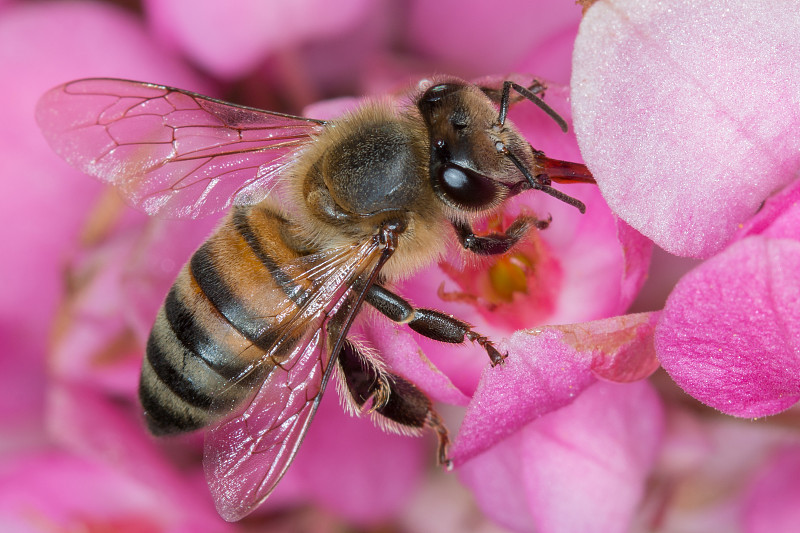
column 232, row 40
column 58, row 491
column 605, row 264
column 582, row 468
column 89, row 424
column 621, row 347
column 540, row 375
column 778, row 218
column 547, row 369
column 681, row 150
column 509, row 31
column 771, row 505
column 729, row 332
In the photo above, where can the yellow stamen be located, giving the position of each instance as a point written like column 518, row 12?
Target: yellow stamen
column 509, row 275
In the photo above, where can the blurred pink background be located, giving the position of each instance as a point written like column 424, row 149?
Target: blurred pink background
column 581, row 439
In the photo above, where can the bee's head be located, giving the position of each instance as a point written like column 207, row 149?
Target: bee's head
column 478, row 159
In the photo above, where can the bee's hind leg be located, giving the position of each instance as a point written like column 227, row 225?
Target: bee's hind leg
column 400, row 406
column 429, row 322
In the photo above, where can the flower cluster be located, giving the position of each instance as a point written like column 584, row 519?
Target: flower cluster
column 687, row 116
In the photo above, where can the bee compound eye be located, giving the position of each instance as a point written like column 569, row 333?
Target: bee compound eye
column 434, row 95
column 464, row 188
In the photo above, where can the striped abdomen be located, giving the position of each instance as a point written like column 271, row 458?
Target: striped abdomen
column 218, row 319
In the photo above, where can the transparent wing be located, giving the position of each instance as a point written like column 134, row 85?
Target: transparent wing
column 247, row 454
column 170, row 151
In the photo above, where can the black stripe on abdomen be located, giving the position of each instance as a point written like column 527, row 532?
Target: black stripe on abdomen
column 186, row 377
column 165, row 413
column 216, row 289
column 191, row 381
column 199, row 342
column 282, row 279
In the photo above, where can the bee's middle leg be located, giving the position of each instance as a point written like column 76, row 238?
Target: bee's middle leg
column 429, row 322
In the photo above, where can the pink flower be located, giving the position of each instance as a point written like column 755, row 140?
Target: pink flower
column 684, row 158
column 771, row 504
column 544, row 280
column 729, row 331
column 230, row 43
column 578, row 255
column 678, row 151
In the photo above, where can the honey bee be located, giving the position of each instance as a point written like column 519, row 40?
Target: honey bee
column 323, row 217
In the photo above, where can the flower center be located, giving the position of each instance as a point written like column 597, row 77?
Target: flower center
column 514, row 290
column 509, row 275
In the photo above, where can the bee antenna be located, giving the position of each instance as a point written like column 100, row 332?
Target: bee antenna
column 542, row 183
column 530, row 95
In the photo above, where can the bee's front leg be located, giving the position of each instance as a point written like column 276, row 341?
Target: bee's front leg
column 497, row 243
column 429, row 322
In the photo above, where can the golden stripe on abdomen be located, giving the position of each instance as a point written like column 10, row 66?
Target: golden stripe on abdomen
column 198, row 331
column 261, row 229
column 207, row 348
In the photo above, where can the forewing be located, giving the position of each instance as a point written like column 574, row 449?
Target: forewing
column 170, row 151
column 247, row 454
